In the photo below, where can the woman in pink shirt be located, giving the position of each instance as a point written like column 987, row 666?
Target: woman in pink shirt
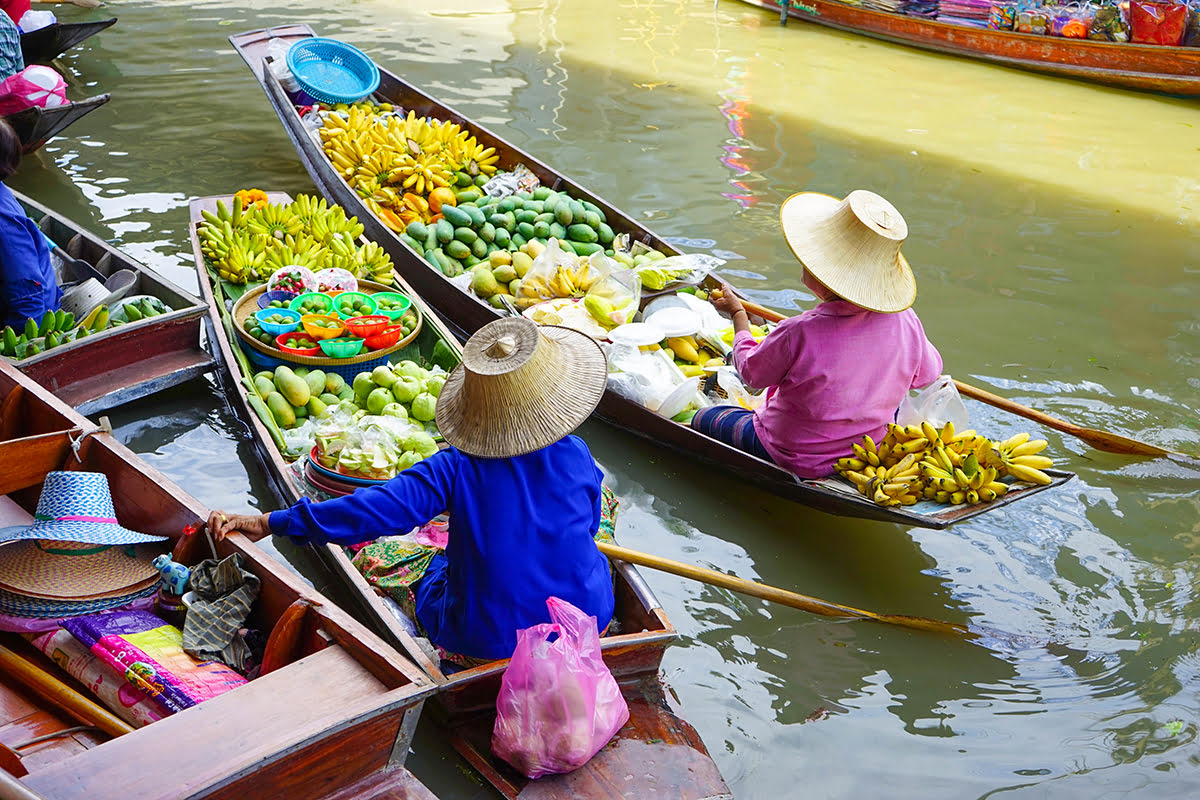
column 840, row 370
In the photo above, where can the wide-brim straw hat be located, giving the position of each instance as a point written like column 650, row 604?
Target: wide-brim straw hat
column 76, row 507
column 68, row 571
column 520, row 387
column 852, row 246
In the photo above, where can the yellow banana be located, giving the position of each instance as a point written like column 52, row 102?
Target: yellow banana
column 1029, row 448
column 1036, row 462
column 1029, row 474
column 1013, row 441
column 947, row 434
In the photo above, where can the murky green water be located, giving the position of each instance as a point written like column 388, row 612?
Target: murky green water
column 1053, row 231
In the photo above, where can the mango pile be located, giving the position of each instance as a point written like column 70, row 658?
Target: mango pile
column 916, row 462
column 244, row 244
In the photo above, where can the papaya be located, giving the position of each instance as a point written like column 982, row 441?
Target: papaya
column 581, row 232
column 316, row 382
column 456, row 217
column 281, row 410
column 263, row 386
column 291, row 386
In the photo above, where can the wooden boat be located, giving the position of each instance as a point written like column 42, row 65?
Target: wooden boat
column 333, row 721
column 46, row 44
column 36, row 126
column 466, row 313
column 1154, row 68
column 123, row 363
column 662, row 750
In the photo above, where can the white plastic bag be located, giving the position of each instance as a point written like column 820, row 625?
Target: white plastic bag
column 736, row 391
column 937, row 404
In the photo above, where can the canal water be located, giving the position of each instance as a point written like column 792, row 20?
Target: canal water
column 1053, row 235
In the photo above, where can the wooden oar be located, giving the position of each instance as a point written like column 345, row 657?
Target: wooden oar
column 782, row 596
column 80, row 3
column 1101, row 440
column 59, row 693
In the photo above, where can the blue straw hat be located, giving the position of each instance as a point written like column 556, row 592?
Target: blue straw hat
column 76, row 507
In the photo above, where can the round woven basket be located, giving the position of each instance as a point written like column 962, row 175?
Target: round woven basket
column 248, row 304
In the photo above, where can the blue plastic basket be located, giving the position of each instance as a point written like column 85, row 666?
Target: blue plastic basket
column 332, row 71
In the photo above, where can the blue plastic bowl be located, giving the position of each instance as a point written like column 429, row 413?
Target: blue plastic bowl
column 266, row 298
column 332, row 71
column 277, row 328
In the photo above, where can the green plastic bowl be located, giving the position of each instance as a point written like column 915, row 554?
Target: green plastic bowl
column 342, row 348
column 368, row 304
column 322, row 303
column 404, row 303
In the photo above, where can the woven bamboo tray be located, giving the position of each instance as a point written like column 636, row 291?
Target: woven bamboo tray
column 245, row 307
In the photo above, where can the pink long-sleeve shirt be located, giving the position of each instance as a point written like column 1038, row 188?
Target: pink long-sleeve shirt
column 834, row 373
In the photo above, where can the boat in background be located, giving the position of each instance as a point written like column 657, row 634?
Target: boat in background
column 663, row 753
column 119, row 364
column 1146, row 67
column 46, row 44
column 333, row 721
column 35, row 126
column 466, row 313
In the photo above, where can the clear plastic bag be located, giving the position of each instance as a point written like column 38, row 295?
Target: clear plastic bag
column 613, row 300
column 335, row 279
column 688, row 268
column 937, row 404
column 294, row 279
column 558, row 702
column 558, row 273
column 736, row 392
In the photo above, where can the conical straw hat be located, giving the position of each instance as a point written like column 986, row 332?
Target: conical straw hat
column 852, row 246
column 520, row 387
column 64, row 570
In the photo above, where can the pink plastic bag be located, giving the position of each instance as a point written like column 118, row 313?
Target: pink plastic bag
column 558, row 702
column 33, row 86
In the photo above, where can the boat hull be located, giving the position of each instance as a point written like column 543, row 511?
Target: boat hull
column 125, row 363
column 465, row 313
column 1154, row 68
column 46, row 44
column 36, row 126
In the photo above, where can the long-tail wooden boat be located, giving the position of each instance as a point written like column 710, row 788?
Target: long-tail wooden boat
column 1148, row 67
column 663, row 751
column 466, row 313
column 46, row 44
column 334, row 720
column 113, row 366
column 36, row 126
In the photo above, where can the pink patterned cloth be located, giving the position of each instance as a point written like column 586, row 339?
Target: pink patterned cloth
column 835, row 373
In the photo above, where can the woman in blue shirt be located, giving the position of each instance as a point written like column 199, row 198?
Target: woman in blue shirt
column 28, row 287
column 523, row 496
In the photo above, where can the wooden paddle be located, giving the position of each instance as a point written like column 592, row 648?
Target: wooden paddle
column 811, row 604
column 1101, row 440
column 80, row 3
column 58, row 692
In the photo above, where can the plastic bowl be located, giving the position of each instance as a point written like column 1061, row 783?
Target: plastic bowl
column 266, row 298
column 319, row 332
column 367, row 308
column 277, row 328
column 385, row 338
column 365, row 326
column 281, row 342
column 342, row 348
column 320, row 303
column 404, row 303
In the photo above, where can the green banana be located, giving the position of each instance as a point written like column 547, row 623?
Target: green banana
column 47, row 323
column 10, row 341
column 31, row 328
column 131, row 312
column 68, row 320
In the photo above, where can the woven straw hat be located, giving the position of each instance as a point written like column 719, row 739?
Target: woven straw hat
column 852, row 246
column 76, row 507
column 65, row 571
column 520, row 387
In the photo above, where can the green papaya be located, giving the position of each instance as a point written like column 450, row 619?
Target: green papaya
column 456, row 217
column 291, row 386
column 281, row 410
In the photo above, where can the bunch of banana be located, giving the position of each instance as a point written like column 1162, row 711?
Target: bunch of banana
column 373, row 261
column 308, row 209
column 225, row 214
column 1019, row 457
column 244, row 259
column 333, row 222
column 299, row 251
column 273, row 220
column 895, row 485
column 968, row 483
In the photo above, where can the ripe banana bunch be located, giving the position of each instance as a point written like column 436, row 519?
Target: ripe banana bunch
column 476, row 159
column 308, row 209
column 1019, row 457
column 373, row 261
column 897, row 485
column 346, row 154
column 421, row 173
column 300, row 251
column 968, row 483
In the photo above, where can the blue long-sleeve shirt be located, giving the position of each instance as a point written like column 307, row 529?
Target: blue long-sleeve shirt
column 28, row 287
column 521, row 530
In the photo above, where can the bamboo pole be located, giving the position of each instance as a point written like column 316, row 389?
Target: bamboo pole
column 60, row 694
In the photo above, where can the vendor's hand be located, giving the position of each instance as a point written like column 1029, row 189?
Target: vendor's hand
column 725, row 301
column 252, row 526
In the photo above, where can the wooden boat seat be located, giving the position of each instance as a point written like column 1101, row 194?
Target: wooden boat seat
column 228, row 737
